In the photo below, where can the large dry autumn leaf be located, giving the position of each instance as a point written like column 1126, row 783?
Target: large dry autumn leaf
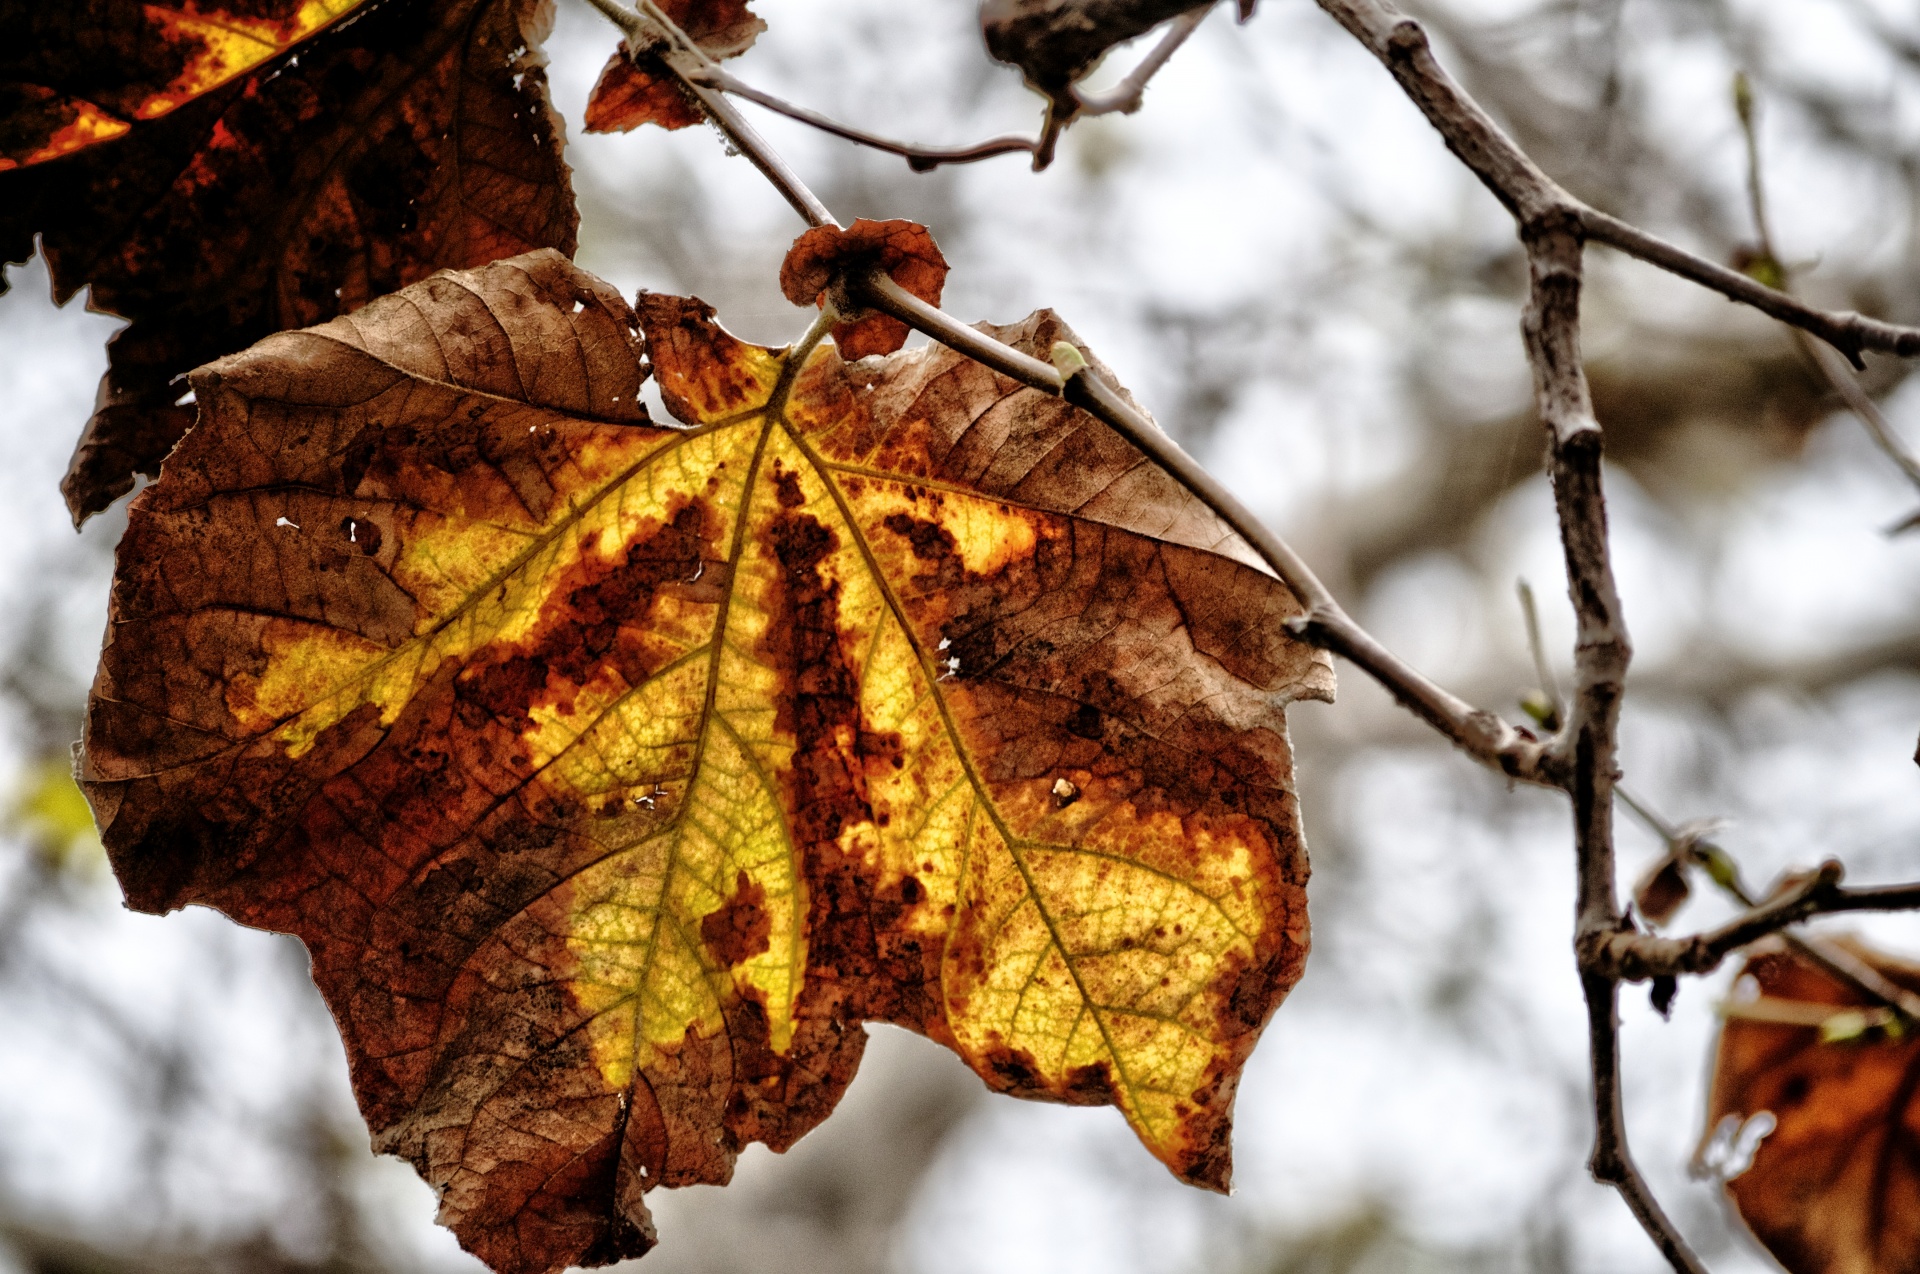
column 413, row 138
column 614, row 773
column 1834, row 1187
column 82, row 72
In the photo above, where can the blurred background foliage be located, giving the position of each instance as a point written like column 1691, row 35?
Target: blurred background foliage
column 1282, row 261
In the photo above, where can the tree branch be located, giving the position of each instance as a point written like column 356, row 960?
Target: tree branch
column 1588, row 740
column 1635, row 957
column 1835, row 959
column 1530, row 195
column 1836, row 374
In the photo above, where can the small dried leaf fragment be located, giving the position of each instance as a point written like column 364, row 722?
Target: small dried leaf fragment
column 636, row 766
column 414, row 137
column 905, row 250
column 1835, row 1185
column 86, row 71
column 1056, row 42
column 1662, row 890
column 629, row 94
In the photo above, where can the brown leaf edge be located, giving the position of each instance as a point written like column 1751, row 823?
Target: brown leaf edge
column 1835, row 1185
column 629, row 94
column 824, row 254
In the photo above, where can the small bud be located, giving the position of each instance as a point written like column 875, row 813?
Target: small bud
column 1067, row 359
column 1848, row 1024
column 1743, row 98
column 1718, row 865
column 1537, row 706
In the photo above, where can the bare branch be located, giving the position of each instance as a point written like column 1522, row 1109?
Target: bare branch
column 1588, row 739
column 1846, row 331
column 1837, row 374
column 1841, row 377
column 1612, row 1163
column 919, row 158
column 1876, row 898
column 1832, row 957
column 1531, row 196
column 1636, row 957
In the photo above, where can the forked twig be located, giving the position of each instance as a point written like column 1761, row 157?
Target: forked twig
column 1531, row 196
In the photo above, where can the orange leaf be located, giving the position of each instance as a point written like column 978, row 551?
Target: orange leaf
column 625, row 97
column 904, row 249
column 1835, row 1185
column 614, row 772
column 629, row 95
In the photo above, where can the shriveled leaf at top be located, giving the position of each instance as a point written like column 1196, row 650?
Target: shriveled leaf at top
column 1056, row 42
column 629, row 93
column 1834, row 1188
column 614, row 773
column 81, row 72
column 824, row 254
column 415, row 137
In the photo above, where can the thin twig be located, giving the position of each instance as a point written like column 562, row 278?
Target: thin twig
column 919, row 158
column 1835, row 959
column 1837, row 374
column 1530, row 195
column 1126, row 96
column 1542, row 668
column 1636, row 957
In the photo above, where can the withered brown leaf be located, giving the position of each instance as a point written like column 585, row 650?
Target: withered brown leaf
column 416, row 137
column 613, row 773
column 904, row 249
column 1056, row 42
column 629, row 94
column 1834, row 1187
